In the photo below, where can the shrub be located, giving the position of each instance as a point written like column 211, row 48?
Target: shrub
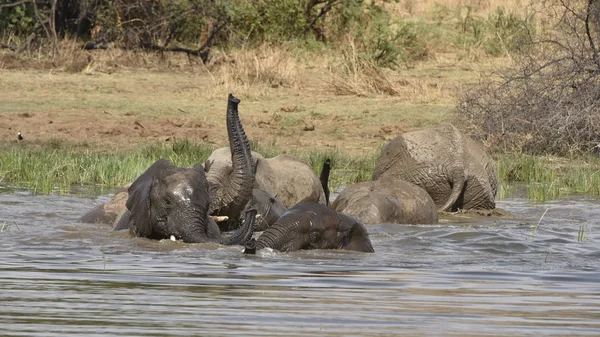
column 547, row 102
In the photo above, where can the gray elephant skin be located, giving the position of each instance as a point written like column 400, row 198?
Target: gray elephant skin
column 454, row 170
column 283, row 176
column 387, row 200
column 269, row 208
column 170, row 201
column 312, row 225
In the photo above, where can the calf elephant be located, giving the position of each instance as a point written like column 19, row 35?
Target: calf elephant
column 312, row 225
column 283, row 176
column 270, row 208
column 387, row 200
column 451, row 167
column 228, row 195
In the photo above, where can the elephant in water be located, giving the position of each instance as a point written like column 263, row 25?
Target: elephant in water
column 169, row 194
column 453, row 169
column 387, row 200
column 270, row 208
column 311, row 225
column 283, row 176
column 168, row 201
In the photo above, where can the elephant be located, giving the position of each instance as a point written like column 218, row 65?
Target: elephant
column 310, row 225
column 283, row 176
column 168, row 201
column 270, row 208
column 228, row 195
column 454, row 170
column 387, row 200
column 109, row 212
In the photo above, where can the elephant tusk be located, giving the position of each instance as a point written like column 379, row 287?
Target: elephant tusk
column 219, row 218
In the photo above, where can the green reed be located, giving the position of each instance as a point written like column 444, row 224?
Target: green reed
column 551, row 177
column 55, row 166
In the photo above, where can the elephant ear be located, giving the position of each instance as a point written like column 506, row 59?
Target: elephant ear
column 138, row 203
column 356, row 238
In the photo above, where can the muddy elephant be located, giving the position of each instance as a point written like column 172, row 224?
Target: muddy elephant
column 283, row 176
column 228, row 197
column 312, row 225
column 387, row 200
column 455, row 170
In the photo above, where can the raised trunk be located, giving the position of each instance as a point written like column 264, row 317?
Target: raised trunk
column 232, row 197
column 242, row 235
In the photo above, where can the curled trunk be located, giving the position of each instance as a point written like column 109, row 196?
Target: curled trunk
column 242, row 235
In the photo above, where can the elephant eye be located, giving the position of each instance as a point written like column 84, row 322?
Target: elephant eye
column 315, row 237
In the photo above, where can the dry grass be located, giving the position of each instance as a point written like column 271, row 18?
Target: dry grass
column 273, row 66
column 355, row 75
column 420, row 8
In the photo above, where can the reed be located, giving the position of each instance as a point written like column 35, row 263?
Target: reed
column 56, row 167
column 550, row 177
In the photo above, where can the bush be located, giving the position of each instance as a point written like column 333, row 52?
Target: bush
column 547, row 102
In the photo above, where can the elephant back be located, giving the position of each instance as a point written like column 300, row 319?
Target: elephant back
column 295, row 181
column 368, row 204
column 387, row 200
column 108, row 213
column 413, row 150
column 218, row 166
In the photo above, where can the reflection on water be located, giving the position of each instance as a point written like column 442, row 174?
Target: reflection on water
column 489, row 277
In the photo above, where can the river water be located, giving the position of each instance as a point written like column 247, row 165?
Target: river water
column 485, row 277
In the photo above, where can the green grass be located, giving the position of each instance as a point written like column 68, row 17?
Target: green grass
column 551, row 177
column 56, row 167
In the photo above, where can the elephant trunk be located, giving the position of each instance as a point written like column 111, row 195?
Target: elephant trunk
column 275, row 237
column 242, row 235
column 193, row 229
column 231, row 198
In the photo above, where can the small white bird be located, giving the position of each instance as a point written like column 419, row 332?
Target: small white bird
column 20, row 136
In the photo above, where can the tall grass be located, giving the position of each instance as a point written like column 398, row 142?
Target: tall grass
column 551, row 177
column 55, row 167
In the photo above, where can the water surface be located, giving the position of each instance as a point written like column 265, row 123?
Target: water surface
column 484, row 277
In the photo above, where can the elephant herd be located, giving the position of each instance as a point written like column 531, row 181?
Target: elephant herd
column 238, row 192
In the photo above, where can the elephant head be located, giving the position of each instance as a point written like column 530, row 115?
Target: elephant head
column 315, row 226
column 269, row 208
column 228, row 194
column 169, row 201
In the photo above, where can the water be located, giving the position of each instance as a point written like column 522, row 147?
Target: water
column 484, row 277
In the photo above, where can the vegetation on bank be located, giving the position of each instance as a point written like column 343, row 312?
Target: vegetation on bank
column 543, row 102
column 56, row 167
